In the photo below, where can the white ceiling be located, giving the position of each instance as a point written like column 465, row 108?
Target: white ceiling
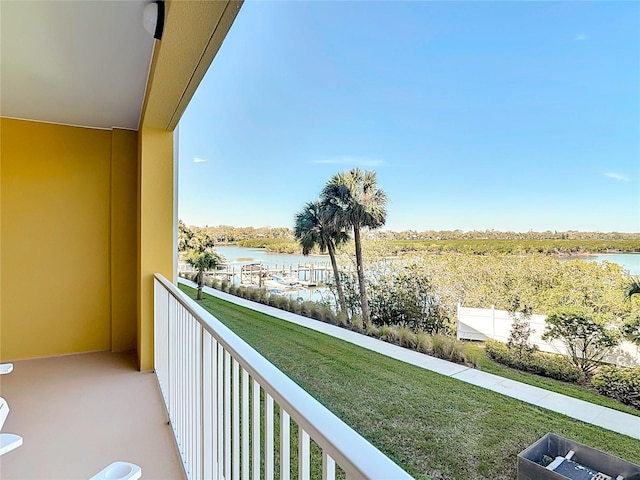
column 82, row 62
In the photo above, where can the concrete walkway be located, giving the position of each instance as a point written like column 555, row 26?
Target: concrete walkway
column 572, row 407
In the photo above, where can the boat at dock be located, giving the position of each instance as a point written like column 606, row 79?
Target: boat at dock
column 286, row 280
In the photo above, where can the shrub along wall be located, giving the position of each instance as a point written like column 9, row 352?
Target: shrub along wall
column 623, row 384
column 545, row 364
column 619, row 383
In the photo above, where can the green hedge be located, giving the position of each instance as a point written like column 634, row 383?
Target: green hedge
column 623, row 384
column 545, row 364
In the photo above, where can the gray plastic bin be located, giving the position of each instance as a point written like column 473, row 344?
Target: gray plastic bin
column 530, row 461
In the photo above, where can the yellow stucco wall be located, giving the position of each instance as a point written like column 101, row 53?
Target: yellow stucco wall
column 1, row 240
column 155, row 228
column 124, row 257
column 78, row 204
column 59, row 208
column 55, row 239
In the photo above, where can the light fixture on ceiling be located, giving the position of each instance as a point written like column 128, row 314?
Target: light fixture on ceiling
column 153, row 18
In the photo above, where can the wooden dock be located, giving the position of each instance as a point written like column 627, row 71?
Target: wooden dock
column 307, row 274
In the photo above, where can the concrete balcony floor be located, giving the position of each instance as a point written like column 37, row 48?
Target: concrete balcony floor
column 79, row 413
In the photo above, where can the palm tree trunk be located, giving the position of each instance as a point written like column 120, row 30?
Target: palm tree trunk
column 200, row 279
column 366, row 316
column 336, row 275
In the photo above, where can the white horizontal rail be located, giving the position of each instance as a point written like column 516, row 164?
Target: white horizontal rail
column 223, row 398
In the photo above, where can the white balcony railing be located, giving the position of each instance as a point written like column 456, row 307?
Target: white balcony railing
column 221, row 396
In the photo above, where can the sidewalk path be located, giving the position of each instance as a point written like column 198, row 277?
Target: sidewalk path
column 572, row 407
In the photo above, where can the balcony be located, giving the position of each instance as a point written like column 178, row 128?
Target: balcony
column 79, row 413
column 232, row 413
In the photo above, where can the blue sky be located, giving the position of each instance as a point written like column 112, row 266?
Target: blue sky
column 475, row 115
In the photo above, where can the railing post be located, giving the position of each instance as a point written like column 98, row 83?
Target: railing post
column 268, row 437
column 235, row 432
column 328, row 467
column 220, row 409
column 304, row 453
column 255, row 434
column 227, row 415
column 285, row 445
column 207, row 410
column 197, row 396
column 245, row 425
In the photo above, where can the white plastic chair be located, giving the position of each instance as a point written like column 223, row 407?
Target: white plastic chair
column 6, row 368
column 119, row 471
column 8, row 441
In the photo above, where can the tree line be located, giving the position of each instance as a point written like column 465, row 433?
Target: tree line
column 237, row 235
column 472, row 246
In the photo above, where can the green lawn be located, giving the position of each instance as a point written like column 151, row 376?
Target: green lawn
column 431, row 425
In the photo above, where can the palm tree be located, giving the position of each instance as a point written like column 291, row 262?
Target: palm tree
column 185, row 235
column 359, row 203
column 203, row 261
column 313, row 228
column 631, row 328
column 633, row 288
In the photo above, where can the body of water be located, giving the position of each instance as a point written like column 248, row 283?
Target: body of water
column 628, row 261
column 244, row 256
